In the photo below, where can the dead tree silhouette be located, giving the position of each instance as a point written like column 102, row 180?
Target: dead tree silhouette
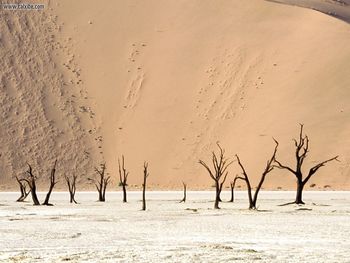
column 71, row 183
column 53, row 182
column 232, row 186
column 23, row 190
column 185, row 189
column 102, row 182
column 123, row 177
column 145, row 176
column 218, row 173
column 301, row 151
column 269, row 167
column 30, row 180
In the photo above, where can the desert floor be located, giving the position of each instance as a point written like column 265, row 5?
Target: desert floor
column 172, row 232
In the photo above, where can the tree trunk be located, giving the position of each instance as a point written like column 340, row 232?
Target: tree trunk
column 253, row 205
column 72, row 198
column 299, row 196
column 104, row 193
column 144, row 196
column 262, row 179
column 21, row 198
column 47, row 199
column 232, row 194
column 100, row 196
column 144, row 193
column 124, row 194
column 232, row 185
column 217, row 195
column 145, row 175
column 219, row 198
column 34, row 196
column 24, row 192
column 251, row 202
column 184, row 198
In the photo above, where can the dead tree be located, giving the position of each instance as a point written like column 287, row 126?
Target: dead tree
column 185, row 188
column 145, row 176
column 53, row 182
column 123, row 177
column 218, row 173
column 269, row 167
column 301, row 151
column 232, row 185
column 30, row 180
column 101, row 183
column 23, row 189
column 71, row 183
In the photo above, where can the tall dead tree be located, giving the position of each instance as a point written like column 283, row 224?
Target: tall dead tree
column 145, row 176
column 185, row 189
column 301, row 151
column 101, row 183
column 218, row 173
column 53, row 182
column 71, row 183
column 232, row 186
column 30, row 180
column 269, row 167
column 23, row 190
column 123, row 177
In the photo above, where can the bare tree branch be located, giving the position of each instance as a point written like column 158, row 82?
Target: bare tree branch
column 314, row 169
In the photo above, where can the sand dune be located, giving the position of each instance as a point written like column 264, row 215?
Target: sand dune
column 163, row 81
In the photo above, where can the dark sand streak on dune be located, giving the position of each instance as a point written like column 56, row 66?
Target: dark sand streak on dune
column 339, row 9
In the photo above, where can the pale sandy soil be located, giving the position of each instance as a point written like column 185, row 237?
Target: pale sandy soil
column 85, row 81
column 173, row 232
